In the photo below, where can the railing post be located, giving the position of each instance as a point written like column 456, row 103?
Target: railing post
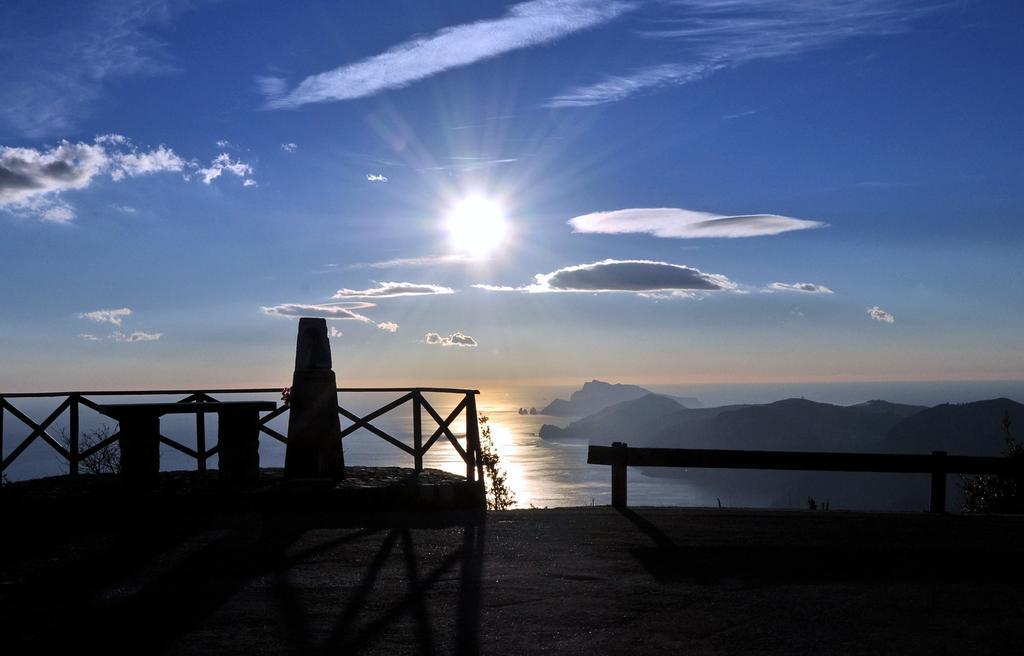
column 619, row 475
column 73, row 438
column 472, row 436
column 417, row 431
column 938, row 504
column 201, row 441
column 2, row 408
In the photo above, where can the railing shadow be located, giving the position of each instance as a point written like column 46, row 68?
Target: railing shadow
column 881, row 562
column 357, row 623
column 341, row 588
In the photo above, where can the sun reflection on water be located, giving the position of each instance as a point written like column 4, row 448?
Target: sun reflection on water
column 541, row 473
column 515, row 447
column 505, row 445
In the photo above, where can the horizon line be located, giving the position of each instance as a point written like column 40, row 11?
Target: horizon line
column 485, row 384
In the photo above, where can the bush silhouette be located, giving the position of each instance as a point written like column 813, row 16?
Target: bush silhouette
column 105, row 461
column 499, row 495
column 990, row 493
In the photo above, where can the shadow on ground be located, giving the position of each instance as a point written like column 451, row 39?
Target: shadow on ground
column 165, row 587
column 880, row 562
column 574, row 581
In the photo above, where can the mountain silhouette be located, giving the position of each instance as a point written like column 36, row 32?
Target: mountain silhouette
column 963, row 429
column 789, row 425
column 803, row 425
column 598, row 395
column 643, row 415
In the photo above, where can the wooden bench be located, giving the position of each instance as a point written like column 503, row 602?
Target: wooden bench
column 938, row 464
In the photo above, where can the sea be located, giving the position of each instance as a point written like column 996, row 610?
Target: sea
column 541, row 473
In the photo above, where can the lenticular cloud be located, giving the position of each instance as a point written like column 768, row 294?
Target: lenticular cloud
column 676, row 223
column 643, row 277
column 629, row 276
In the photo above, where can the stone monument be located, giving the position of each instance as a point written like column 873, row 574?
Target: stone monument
column 314, row 442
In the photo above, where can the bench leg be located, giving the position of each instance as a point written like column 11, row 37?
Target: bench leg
column 938, row 496
column 238, row 440
column 140, row 449
column 619, row 476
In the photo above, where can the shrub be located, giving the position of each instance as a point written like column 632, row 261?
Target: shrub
column 990, row 493
column 105, row 461
column 499, row 495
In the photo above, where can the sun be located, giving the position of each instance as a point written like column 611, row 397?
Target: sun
column 476, row 226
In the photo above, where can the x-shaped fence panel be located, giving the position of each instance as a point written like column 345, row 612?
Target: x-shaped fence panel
column 71, row 402
column 469, row 453
column 37, row 430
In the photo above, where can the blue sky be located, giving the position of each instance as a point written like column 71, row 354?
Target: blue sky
column 692, row 191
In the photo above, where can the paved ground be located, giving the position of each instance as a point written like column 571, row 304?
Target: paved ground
column 572, row 581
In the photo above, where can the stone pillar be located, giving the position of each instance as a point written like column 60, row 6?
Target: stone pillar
column 314, row 446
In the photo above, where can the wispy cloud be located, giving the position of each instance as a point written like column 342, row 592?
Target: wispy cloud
column 736, row 115
column 350, row 311
column 498, row 288
column 878, row 314
column 33, row 181
column 457, row 338
column 720, row 34
column 466, row 164
column 617, row 87
column 115, row 317
column 524, row 25
column 223, row 163
column 415, row 262
column 687, row 224
column 376, row 177
column 802, row 287
column 271, row 86
column 52, row 77
column 118, row 336
column 289, row 147
column 394, row 289
column 333, row 332
column 137, row 336
column 343, row 311
column 642, row 277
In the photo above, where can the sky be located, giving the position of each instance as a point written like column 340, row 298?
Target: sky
column 474, row 193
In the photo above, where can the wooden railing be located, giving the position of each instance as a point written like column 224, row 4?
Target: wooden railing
column 619, row 455
column 71, row 403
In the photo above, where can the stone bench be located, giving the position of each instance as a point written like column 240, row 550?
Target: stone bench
column 237, row 436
